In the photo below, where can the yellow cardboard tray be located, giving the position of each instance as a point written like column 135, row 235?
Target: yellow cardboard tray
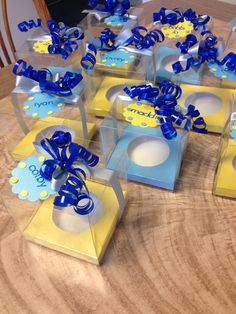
column 225, row 181
column 102, row 102
column 114, row 69
column 90, row 244
column 25, row 148
column 228, row 84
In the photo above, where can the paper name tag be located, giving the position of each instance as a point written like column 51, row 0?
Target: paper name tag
column 141, row 115
column 42, row 46
column 179, row 30
column 117, row 58
column 42, row 105
column 27, row 181
column 116, row 21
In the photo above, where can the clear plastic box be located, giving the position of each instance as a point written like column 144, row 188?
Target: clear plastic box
column 127, row 62
column 35, row 51
column 109, row 88
column 62, row 228
column 36, row 111
column 167, row 54
column 213, row 103
column 134, row 131
column 115, row 22
column 227, row 78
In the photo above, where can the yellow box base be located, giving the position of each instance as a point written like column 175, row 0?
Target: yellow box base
column 26, row 148
column 101, row 104
column 90, row 244
column 225, row 181
column 215, row 122
column 228, row 84
column 121, row 71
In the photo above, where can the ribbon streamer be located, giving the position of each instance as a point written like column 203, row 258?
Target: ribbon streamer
column 65, row 174
column 26, row 26
column 62, row 87
column 164, row 101
column 65, row 40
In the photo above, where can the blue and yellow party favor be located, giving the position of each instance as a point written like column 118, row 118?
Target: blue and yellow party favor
column 62, row 199
column 147, row 125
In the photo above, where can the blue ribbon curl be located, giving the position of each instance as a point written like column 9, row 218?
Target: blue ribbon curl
column 26, row 26
column 65, row 39
column 196, row 53
column 165, row 16
column 175, row 16
column 65, row 153
column 165, row 102
column 62, row 87
column 107, row 42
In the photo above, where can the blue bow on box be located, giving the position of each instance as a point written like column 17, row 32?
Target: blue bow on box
column 137, row 40
column 175, row 16
column 111, row 7
column 66, row 173
column 165, row 102
column 43, row 80
column 194, row 52
column 65, row 40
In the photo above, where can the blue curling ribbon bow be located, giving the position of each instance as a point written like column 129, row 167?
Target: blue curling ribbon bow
column 145, row 41
column 165, row 102
column 175, row 16
column 113, row 7
column 63, row 86
column 65, row 175
column 195, row 53
column 165, row 16
column 107, row 42
column 144, row 92
column 65, row 40
column 199, row 21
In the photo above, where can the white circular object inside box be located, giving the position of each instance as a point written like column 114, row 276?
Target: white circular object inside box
column 48, row 133
column 113, row 92
column 168, row 61
column 148, row 151
column 68, row 220
column 206, row 103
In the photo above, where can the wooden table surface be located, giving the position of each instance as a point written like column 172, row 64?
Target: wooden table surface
column 171, row 253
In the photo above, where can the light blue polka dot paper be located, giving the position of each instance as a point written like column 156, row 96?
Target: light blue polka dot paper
column 221, row 72
column 116, row 21
column 117, row 58
column 41, row 105
column 27, row 181
column 233, row 131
